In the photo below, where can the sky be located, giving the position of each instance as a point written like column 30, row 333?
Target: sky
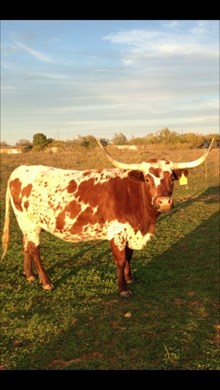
column 103, row 77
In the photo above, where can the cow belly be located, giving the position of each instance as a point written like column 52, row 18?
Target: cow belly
column 122, row 233
column 89, row 232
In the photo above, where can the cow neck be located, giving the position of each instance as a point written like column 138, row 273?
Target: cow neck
column 149, row 213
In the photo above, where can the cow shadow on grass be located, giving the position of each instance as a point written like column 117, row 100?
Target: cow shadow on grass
column 84, row 256
column 173, row 312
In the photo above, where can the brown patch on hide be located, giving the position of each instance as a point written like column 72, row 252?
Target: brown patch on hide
column 26, row 204
column 15, row 188
column 155, row 171
column 72, row 186
column 85, row 218
column 27, row 190
column 16, row 193
column 73, row 208
column 60, row 220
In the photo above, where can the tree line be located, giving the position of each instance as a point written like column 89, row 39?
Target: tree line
column 163, row 136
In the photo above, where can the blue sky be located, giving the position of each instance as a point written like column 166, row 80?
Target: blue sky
column 70, row 78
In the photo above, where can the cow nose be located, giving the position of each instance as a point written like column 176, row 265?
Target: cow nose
column 163, row 204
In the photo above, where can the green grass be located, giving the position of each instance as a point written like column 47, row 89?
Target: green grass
column 82, row 324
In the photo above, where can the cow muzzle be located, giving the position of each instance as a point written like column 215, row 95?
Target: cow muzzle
column 163, row 204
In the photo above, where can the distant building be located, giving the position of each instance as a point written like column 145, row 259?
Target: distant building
column 127, row 147
column 10, row 150
column 52, row 149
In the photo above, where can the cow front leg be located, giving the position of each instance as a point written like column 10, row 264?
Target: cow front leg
column 127, row 270
column 123, row 267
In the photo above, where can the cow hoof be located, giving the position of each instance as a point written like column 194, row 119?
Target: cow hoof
column 125, row 294
column 30, row 279
column 47, row 287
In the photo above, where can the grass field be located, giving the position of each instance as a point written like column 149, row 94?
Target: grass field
column 171, row 321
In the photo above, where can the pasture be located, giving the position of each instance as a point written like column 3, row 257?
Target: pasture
column 172, row 319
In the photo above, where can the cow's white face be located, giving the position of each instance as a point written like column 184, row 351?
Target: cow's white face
column 159, row 178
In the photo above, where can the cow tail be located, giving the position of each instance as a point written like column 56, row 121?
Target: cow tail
column 5, row 236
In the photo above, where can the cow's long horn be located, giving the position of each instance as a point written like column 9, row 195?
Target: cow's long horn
column 195, row 163
column 116, row 163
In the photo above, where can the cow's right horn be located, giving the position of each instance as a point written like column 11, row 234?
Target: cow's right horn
column 195, row 163
column 116, row 163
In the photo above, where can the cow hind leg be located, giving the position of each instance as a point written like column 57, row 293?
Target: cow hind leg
column 123, row 266
column 32, row 257
column 34, row 252
column 28, row 267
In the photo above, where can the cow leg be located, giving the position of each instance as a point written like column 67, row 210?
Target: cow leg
column 127, row 270
column 27, row 263
column 32, row 254
column 34, row 251
column 45, row 281
column 121, row 261
column 28, row 267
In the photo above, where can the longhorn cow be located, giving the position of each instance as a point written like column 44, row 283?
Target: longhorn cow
column 120, row 205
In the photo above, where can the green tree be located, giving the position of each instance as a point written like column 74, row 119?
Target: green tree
column 192, row 139
column 168, row 137
column 40, row 141
column 87, row 141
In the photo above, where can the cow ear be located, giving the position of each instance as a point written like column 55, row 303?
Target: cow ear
column 178, row 173
column 136, row 175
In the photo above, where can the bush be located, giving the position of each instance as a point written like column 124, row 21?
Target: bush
column 40, row 141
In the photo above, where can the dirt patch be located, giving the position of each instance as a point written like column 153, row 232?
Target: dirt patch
column 115, row 325
column 191, row 294
column 178, row 302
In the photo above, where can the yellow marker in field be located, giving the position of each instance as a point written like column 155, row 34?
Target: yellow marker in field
column 183, row 180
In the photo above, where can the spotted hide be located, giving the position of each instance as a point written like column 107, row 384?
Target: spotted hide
column 120, row 205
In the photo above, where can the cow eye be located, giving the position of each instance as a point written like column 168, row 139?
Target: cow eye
column 147, row 180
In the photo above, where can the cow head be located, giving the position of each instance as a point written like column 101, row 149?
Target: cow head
column 158, row 177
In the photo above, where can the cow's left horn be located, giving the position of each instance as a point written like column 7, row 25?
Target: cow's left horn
column 116, row 163
column 195, row 163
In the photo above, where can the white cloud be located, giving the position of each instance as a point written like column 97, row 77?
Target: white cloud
column 47, row 76
column 35, row 53
column 167, row 41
